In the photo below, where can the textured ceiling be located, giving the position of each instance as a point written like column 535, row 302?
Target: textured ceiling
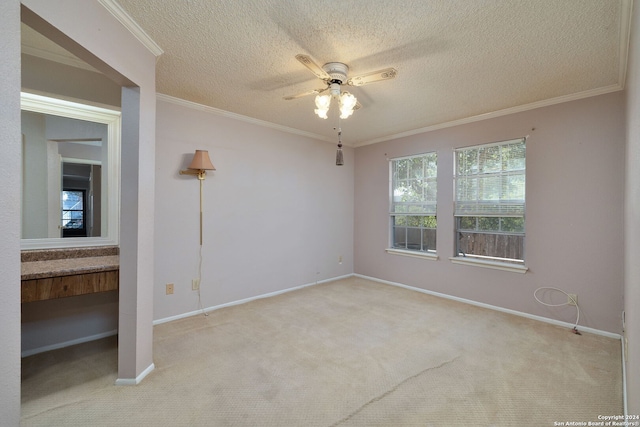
column 456, row 59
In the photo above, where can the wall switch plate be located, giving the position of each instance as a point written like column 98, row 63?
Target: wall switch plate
column 572, row 299
column 169, row 288
column 195, row 284
column 340, row 259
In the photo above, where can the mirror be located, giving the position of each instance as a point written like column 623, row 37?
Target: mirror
column 70, row 173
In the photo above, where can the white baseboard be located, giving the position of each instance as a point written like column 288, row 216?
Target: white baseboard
column 136, row 380
column 69, row 343
column 495, row 307
column 522, row 314
column 624, row 378
column 437, row 294
column 245, row 300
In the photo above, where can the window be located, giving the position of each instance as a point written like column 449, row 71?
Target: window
column 73, row 213
column 413, row 202
column 490, row 200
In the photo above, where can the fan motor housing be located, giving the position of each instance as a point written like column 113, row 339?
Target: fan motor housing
column 337, row 71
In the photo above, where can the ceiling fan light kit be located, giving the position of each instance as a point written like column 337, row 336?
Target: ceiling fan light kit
column 334, row 74
column 347, row 104
column 322, row 103
column 346, row 101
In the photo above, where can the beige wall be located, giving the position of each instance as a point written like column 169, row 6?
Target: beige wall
column 574, row 212
column 632, row 220
column 10, row 144
column 41, row 75
column 278, row 212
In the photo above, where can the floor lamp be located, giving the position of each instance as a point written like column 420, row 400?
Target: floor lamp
column 199, row 166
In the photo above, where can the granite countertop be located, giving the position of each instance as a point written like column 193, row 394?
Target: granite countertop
column 65, row 262
column 66, row 267
column 51, row 254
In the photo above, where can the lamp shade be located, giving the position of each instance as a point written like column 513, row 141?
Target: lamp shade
column 322, row 102
column 201, row 161
column 347, row 104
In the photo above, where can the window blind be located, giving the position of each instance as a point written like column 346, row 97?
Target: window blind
column 490, row 180
column 414, row 185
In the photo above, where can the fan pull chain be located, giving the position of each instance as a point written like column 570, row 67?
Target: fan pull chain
column 339, row 155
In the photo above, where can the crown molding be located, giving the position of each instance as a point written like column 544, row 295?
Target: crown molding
column 246, row 119
column 626, row 15
column 498, row 113
column 121, row 15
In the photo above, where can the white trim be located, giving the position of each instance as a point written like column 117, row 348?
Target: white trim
column 56, row 57
column 245, row 300
column 72, row 99
column 426, row 153
column 81, row 161
column 624, row 376
column 113, row 120
column 625, row 30
column 27, row 353
column 138, row 379
column 246, row 119
column 625, row 38
column 520, row 139
column 472, row 119
column 499, row 113
column 130, row 24
column 496, row 265
column 414, row 254
column 525, row 315
column 494, row 307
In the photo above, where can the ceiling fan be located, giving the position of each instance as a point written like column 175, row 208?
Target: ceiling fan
column 334, row 75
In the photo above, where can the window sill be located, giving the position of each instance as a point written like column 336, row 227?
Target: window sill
column 415, row 254
column 496, row 265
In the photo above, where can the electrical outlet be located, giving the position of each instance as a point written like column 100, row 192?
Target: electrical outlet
column 169, row 288
column 195, row 284
column 572, row 299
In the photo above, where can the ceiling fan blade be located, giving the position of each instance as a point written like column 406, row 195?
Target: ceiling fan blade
column 300, row 95
column 374, row 76
column 313, row 67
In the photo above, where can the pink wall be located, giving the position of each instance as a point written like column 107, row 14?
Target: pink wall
column 574, row 212
column 10, row 162
column 632, row 220
column 278, row 212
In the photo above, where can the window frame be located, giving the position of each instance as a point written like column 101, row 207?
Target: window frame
column 499, row 208
column 73, row 231
column 411, row 209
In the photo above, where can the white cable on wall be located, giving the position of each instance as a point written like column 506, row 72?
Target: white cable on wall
column 569, row 297
column 200, row 282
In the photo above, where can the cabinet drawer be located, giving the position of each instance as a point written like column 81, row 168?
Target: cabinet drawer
column 67, row 286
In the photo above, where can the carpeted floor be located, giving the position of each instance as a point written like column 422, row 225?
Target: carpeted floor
column 347, row 353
